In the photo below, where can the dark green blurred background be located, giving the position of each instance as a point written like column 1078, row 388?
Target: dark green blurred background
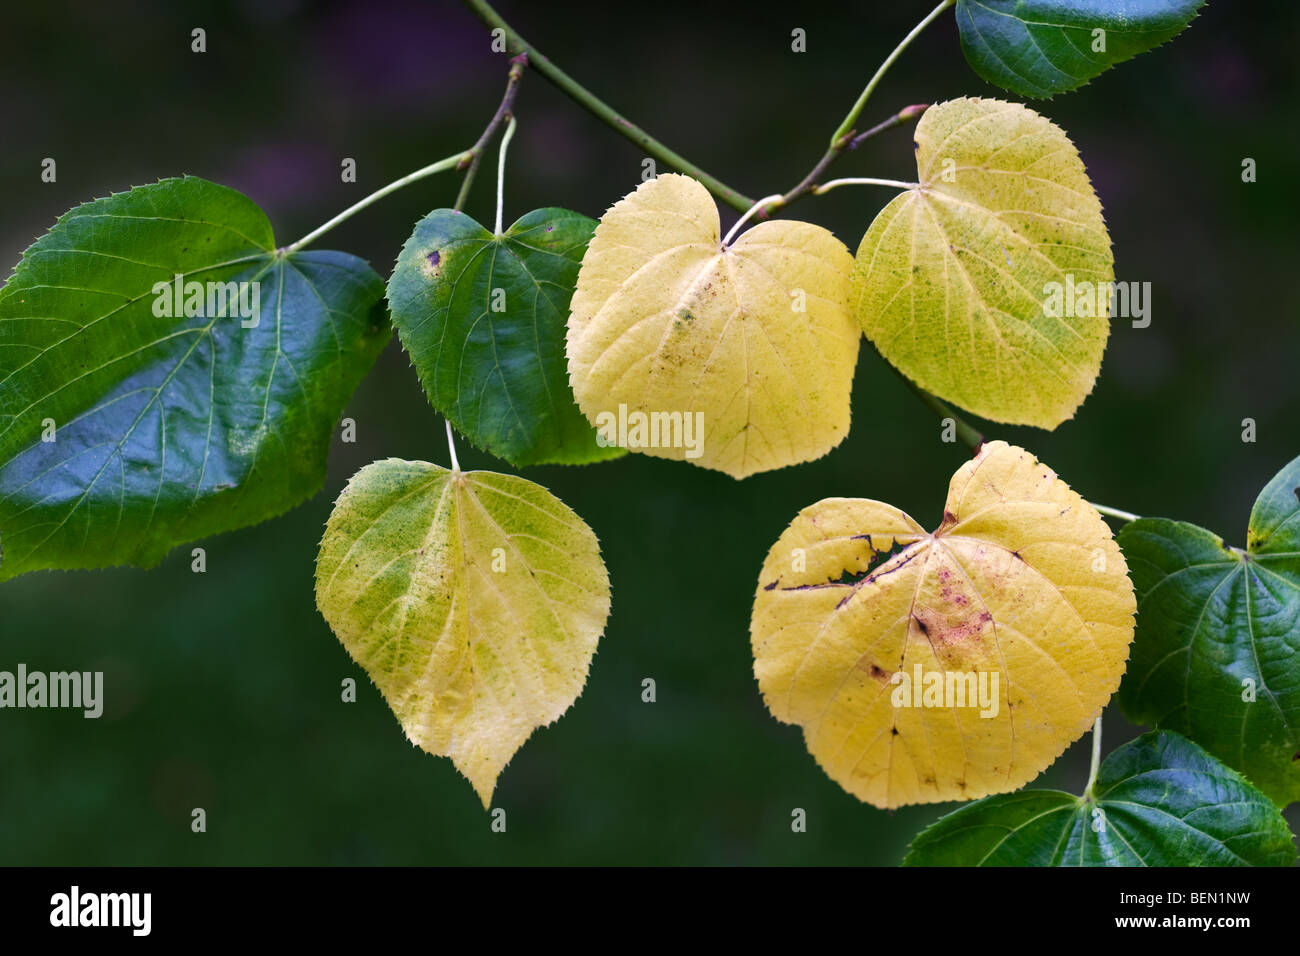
column 223, row 689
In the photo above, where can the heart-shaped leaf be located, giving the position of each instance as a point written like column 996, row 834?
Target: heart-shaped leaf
column 1159, row 800
column 483, row 319
column 989, row 282
column 473, row 600
column 1217, row 652
column 944, row 666
column 166, row 374
column 1039, row 48
column 738, row 358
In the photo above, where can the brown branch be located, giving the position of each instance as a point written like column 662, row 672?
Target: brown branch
column 838, row 148
column 603, row 112
column 470, row 161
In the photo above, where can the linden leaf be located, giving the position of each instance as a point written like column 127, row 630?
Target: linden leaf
column 1044, row 47
column 753, row 340
column 989, row 282
column 473, row 600
column 944, row 666
column 1159, row 800
column 1217, row 652
column 167, row 373
column 483, row 318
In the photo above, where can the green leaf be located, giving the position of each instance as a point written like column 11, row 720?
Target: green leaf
column 473, row 600
column 124, row 432
column 483, row 318
column 1217, row 651
column 1159, row 800
column 1039, row 48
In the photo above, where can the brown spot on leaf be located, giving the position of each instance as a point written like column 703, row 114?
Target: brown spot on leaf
column 879, row 673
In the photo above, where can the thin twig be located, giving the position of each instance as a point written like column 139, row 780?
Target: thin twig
column 472, row 158
column 602, row 111
column 905, row 115
column 846, row 128
column 843, row 138
column 810, row 182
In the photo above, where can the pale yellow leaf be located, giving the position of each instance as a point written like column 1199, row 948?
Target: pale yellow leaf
column 1022, row 579
column 473, row 600
column 754, row 337
column 981, row 283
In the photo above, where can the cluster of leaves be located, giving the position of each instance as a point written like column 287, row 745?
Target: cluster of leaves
column 475, row 600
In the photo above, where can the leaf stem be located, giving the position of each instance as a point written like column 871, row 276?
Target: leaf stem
column 862, row 181
column 451, row 446
column 440, row 166
column 501, row 171
column 726, row 240
column 846, row 127
column 602, row 111
column 1096, row 758
column 474, row 156
column 1115, row 512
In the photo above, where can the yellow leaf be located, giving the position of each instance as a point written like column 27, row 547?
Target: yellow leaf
column 1021, row 580
column 753, row 341
column 989, row 282
column 473, row 600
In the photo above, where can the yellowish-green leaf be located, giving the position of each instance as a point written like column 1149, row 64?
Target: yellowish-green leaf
column 989, row 282
column 751, row 343
column 926, row 667
column 473, row 600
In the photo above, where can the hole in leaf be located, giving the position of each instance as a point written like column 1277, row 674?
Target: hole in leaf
column 878, row 557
